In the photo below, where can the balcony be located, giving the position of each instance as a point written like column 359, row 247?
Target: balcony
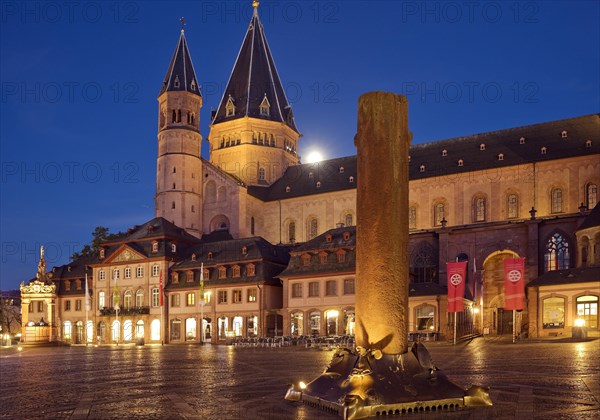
column 134, row 310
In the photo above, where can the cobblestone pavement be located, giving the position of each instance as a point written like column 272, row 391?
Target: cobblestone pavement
column 555, row 379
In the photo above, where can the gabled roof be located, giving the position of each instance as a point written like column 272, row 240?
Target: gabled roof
column 230, row 251
column 337, row 243
column 508, row 143
column 74, row 269
column 254, row 77
column 310, row 178
column 181, row 75
column 592, row 219
column 568, row 276
column 297, row 182
column 155, row 228
column 336, row 235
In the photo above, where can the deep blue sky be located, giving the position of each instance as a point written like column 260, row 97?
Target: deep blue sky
column 79, row 85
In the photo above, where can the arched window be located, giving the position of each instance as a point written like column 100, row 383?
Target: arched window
column 292, row 232
column 556, row 199
column 412, row 217
column 512, row 206
column 139, row 298
column 556, row 255
column 424, row 268
column 128, row 299
column 348, row 219
column 591, row 195
column 479, row 210
column 210, row 193
column 313, row 228
column 438, row 214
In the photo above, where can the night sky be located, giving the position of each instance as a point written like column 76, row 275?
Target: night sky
column 79, row 82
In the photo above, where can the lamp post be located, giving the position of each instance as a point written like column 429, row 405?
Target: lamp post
column 202, row 303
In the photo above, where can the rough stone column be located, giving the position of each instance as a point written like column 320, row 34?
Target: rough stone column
column 382, row 282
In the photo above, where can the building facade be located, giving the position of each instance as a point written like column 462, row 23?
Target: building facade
column 519, row 192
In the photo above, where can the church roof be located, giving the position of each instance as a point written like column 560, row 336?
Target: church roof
column 490, row 151
column 181, row 75
column 310, row 178
column 568, row 276
column 592, row 219
column 254, row 77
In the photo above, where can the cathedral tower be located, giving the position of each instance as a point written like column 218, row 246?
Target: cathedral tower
column 179, row 168
column 253, row 134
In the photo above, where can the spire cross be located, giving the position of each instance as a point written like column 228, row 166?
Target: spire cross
column 255, row 4
column 182, row 20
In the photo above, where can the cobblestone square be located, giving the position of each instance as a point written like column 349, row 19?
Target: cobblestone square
column 553, row 379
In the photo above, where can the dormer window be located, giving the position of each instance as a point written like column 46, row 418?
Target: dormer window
column 209, row 256
column 444, row 152
column 351, row 179
column 230, row 107
column 564, row 134
column 154, row 246
column 543, row 150
column 409, row 158
column 328, row 238
column 193, row 85
column 310, row 175
column 588, row 144
column 461, row 162
column 176, row 83
column 173, row 248
column 341, row 169
column 305, row 259
column 265, row 107
column 501, row 156
column 102, row 252
column 522, row 140
column 318, row 184
column 346, row 236
column 422, row 168
column 193, row 257
column 288, row 189
column 244, row 250
column 482, row 146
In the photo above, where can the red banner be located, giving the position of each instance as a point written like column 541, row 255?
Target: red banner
column 457, row 277
column 160, row 289
column 514, row 283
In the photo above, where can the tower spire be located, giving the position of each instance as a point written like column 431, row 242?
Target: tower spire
column 181, row 75
column 253, row 77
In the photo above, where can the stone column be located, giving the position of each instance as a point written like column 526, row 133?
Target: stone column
column 382, row 281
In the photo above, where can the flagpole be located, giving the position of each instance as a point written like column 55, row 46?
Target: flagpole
column 116, row 306
column 202, row 302
column 514, row 314
column 455, row 328
column 161, row 303
column 87, row 308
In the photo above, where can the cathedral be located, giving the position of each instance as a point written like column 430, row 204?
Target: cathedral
column 253, row 243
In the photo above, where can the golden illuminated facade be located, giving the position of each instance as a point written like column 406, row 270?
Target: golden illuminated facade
column 517, row 192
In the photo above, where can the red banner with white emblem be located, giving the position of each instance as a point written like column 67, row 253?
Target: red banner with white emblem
column 457, row 277
column 514, row 283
